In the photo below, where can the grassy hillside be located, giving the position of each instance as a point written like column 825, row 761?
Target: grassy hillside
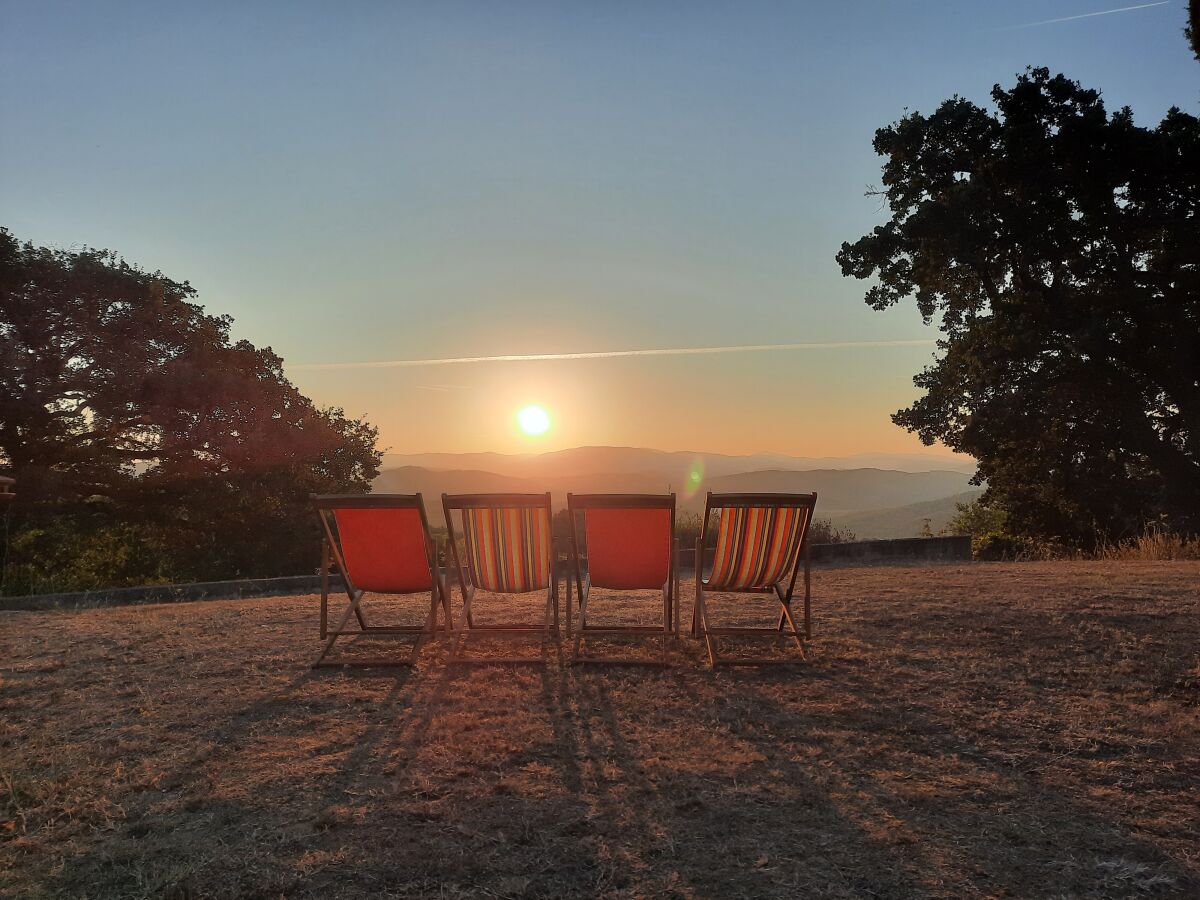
column 901, row 521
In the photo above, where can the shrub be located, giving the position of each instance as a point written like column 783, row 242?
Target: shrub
column 823, row 532
column 1154, row 544
column 998, row 545
column 75, row 554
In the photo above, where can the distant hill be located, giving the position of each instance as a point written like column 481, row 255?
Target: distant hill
column 844, row 491
column 850, row 489
column 676, row 465
column 900, row 521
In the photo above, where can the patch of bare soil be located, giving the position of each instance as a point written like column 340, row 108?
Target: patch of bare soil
column 980, row 730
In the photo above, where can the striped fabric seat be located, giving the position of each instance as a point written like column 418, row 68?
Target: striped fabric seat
column 756, row 546
column 508, row 549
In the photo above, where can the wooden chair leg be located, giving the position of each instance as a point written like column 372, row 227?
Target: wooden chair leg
column 807, row 593
column 708, row 638
column 429, row 629
column 583, row 600
column 324, row 589
column 787, row 611
column 468, row 619
column 352, row 609
column 675, row 598
column 569, row 601
column 446, row 610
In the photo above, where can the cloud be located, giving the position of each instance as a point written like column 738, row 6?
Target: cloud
column 1103, row 12
column 610, row 354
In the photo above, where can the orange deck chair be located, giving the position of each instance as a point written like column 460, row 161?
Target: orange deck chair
column 380, row 543
column 629, row 539
column 761, row 540
column 507, row 548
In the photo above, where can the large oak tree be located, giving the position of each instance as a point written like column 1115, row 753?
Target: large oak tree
column 122, row 402
column 1057, row 247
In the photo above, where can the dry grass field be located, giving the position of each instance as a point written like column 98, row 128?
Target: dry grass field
column 1021, row 730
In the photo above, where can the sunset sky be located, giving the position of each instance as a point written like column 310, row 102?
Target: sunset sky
column 382, row 182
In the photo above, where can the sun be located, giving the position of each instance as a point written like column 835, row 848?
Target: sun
column 533, row 420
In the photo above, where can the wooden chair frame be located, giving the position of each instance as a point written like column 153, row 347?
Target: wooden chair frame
column 467, row 626
column 331, row 558
column 670, row 589
column 700, row 621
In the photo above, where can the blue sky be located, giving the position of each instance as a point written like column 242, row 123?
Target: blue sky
column 384, row 181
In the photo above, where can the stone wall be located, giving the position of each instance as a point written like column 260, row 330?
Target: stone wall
column 906, row 550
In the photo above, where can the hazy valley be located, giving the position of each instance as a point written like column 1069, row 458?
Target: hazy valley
column 875, row 495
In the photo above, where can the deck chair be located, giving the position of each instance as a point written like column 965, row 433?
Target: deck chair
column 629, row 540
column 507, row 548
column 761, row 540
column 379, row 543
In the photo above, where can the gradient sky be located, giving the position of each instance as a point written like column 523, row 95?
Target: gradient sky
column 383, row 181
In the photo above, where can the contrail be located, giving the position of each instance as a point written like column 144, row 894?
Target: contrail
column 1103, row 12
column 612, row 354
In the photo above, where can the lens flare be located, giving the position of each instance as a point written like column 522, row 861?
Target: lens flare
column 533, row 420
column 695, row 478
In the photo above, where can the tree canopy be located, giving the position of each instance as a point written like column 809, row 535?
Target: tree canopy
column 1057, row 247
column 1192, row 29
column 124, row 407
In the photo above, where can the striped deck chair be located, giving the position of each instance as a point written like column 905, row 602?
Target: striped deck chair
column 380, row 543
column 761, row 540
column 629, row 540
column 507, row 548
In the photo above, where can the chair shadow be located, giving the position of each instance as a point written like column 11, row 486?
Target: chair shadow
column 679, row 824
column 935, row 856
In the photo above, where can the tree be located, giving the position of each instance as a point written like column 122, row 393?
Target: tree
column 122, row 401
column 1058, row 248
column 1192, row 30
column 988, row 529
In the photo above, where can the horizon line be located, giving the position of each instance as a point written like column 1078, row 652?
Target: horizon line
column 944, row 453
column 611, row 354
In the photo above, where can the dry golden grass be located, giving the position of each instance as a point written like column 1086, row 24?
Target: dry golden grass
column 977, row 730
column 1155, row 544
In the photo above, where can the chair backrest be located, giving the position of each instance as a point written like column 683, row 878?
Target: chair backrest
column 628, row 538
column 759, row 538
column 506, row 537
column 384, row 540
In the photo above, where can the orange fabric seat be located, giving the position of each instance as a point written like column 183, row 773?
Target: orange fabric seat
column 628, row 549
column 629, row 540
column 384, row 549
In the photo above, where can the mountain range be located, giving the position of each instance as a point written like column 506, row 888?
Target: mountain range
column 873, row 495
column 675, row 463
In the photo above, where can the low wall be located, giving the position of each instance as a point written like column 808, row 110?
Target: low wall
column 930, row 549
column 918, row 549
column 175, row 593
column 934, row 549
